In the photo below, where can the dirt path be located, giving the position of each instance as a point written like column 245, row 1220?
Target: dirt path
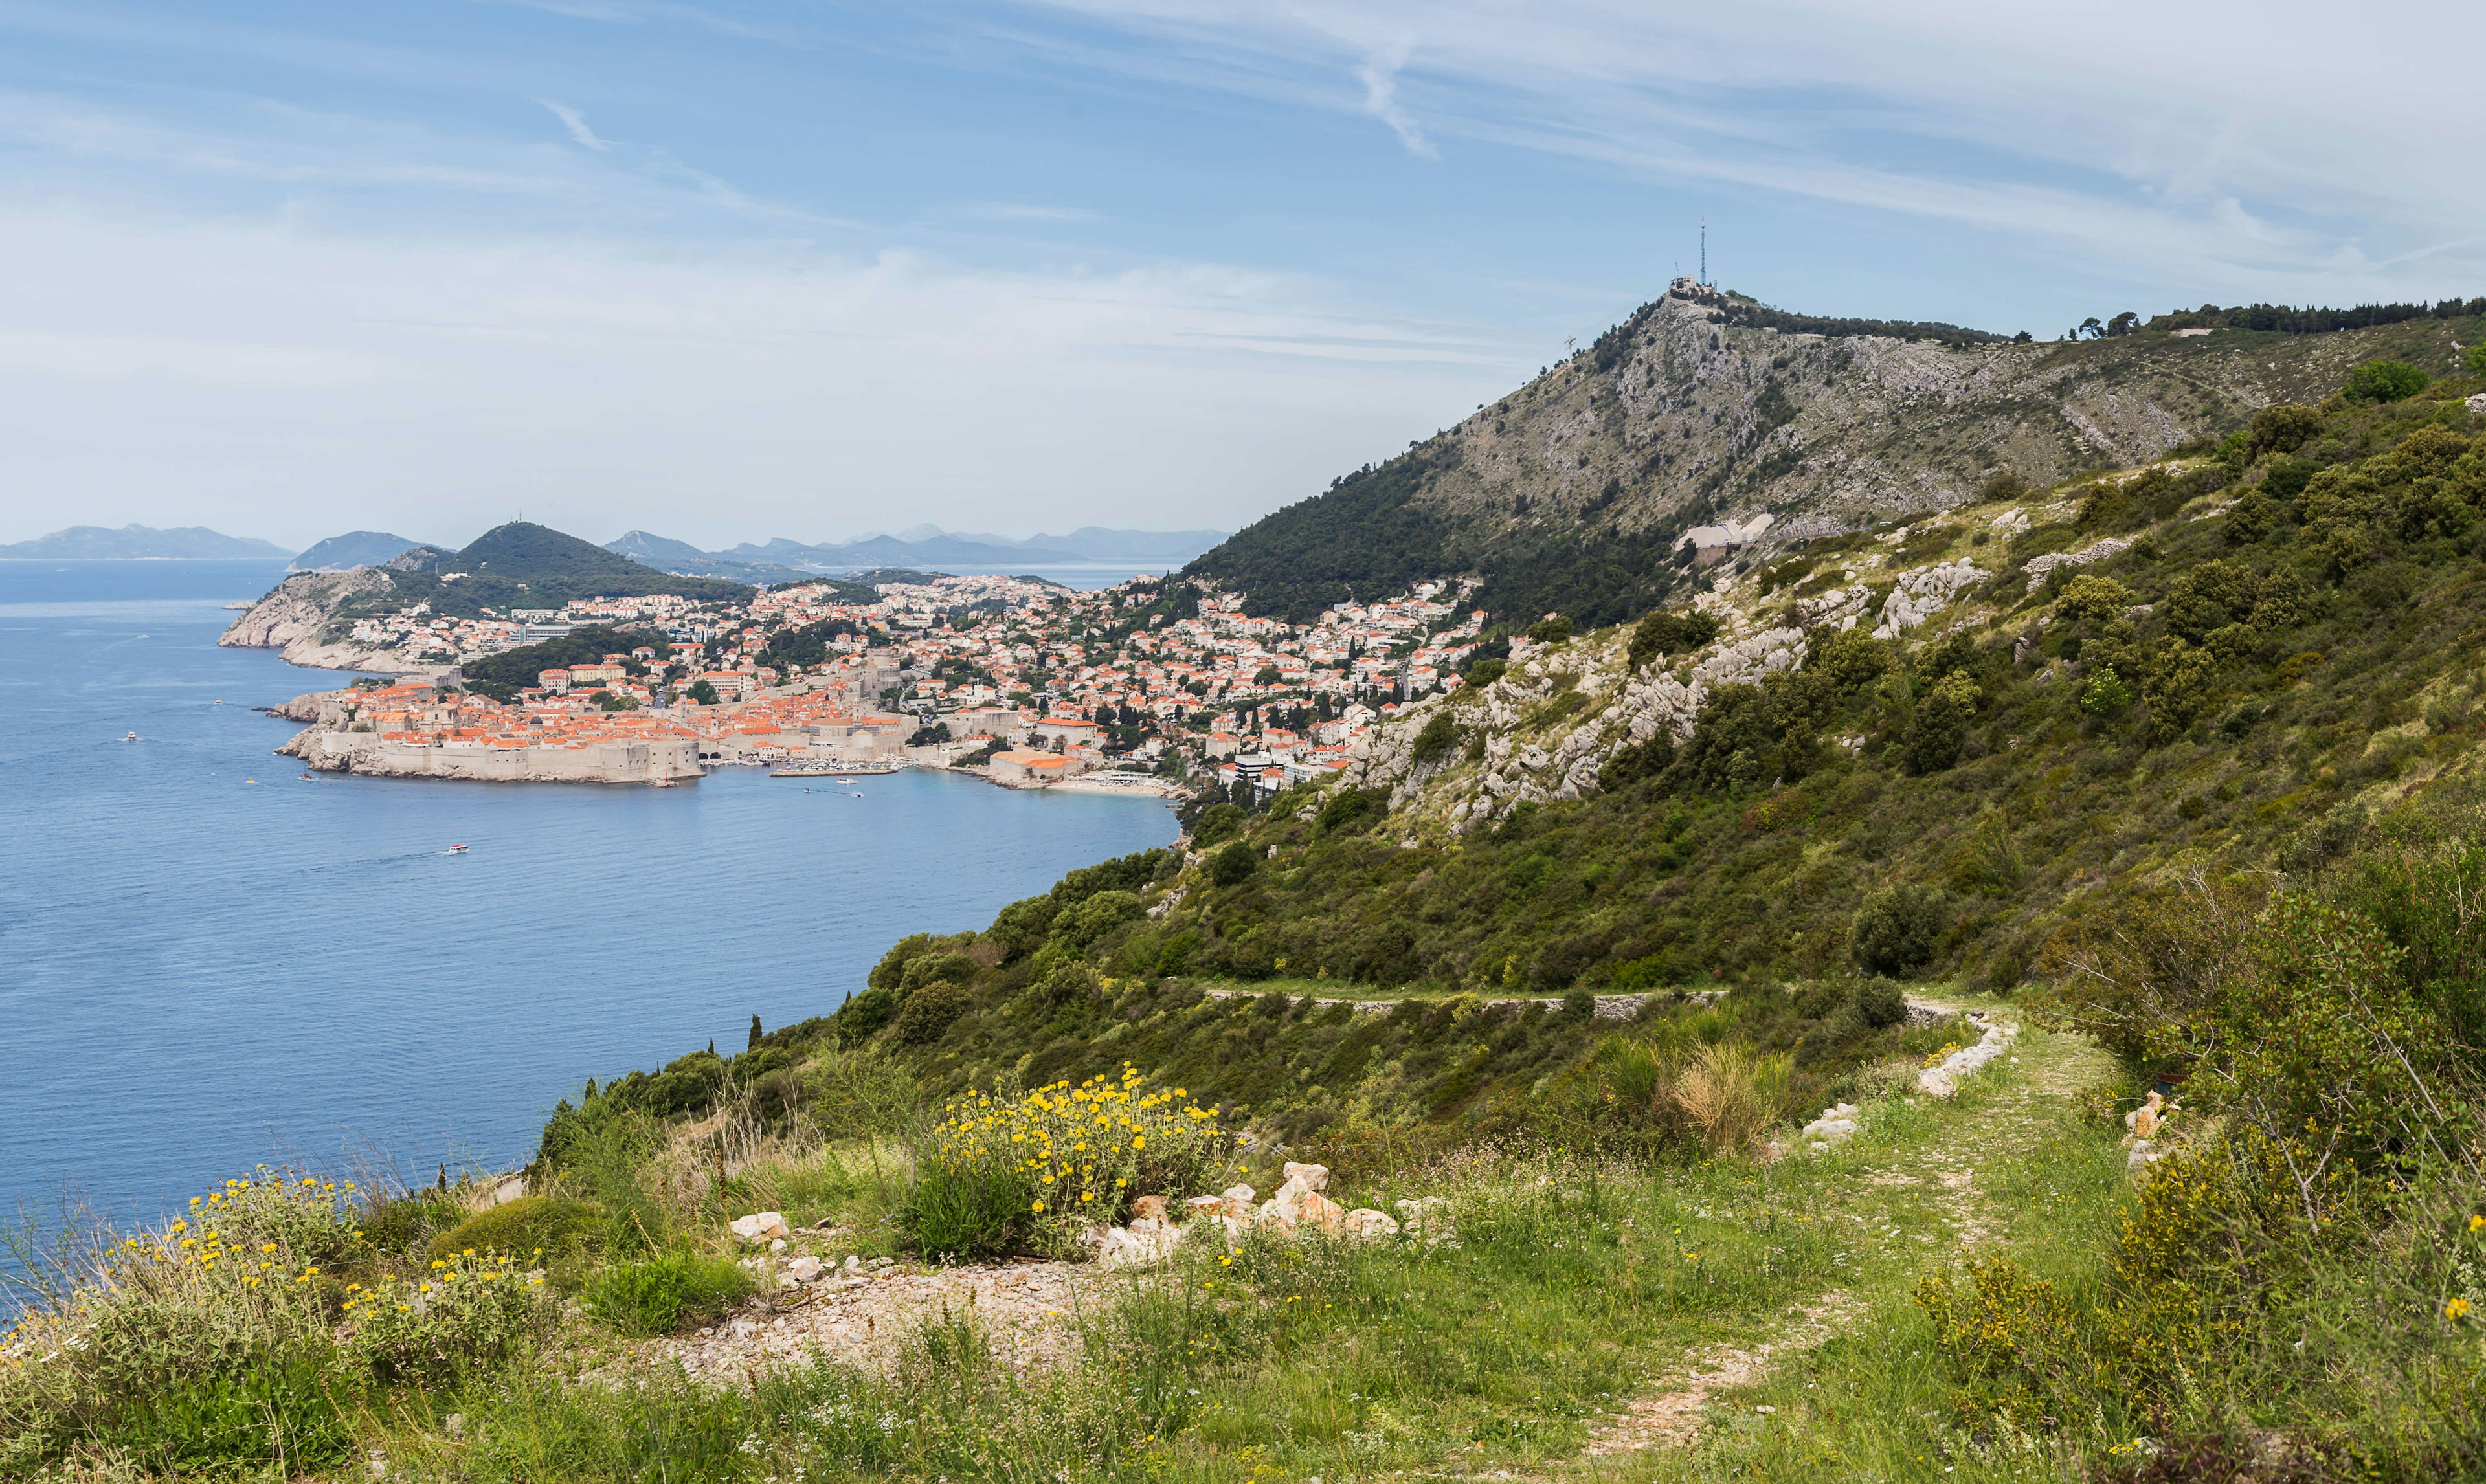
column 1941, row 1171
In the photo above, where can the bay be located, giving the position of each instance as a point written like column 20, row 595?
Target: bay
column 207, row 961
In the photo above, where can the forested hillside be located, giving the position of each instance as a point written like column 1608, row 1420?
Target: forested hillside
column 1569, row 494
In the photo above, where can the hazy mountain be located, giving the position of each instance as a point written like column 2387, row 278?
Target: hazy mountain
column 927, row 545
column 354, row 549
column 92, row 543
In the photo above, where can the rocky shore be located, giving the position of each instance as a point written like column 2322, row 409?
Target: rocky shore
column 292, row 618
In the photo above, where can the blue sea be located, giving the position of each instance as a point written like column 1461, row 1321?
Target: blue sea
column 207, row 961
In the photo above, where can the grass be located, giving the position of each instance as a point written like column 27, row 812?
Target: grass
column 1575, row 1285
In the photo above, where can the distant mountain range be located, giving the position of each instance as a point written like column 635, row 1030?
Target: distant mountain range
column 785, row 561
column 101, row 543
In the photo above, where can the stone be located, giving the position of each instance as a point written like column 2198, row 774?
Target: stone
column 1206, row 1205
column 1312, row 1177
column 1369, row 1225
column 1238, row 1201
column 803, row 1270
column 777, row 1243
column 1149, row 1207
column 762, row 1226
column 853, row 1262
column 1317, row 1212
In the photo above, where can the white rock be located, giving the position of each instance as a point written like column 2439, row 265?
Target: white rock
column 803, row 1270
column 1311, row 1177
column 1369, row 1225
column 777, row 1244
column 761, row 1227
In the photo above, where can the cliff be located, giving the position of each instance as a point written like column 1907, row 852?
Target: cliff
column 296, row 617
column 659, row 760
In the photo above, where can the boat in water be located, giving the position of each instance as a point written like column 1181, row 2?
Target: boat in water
column 133, row 737
column 843, row 772
column 455, row 850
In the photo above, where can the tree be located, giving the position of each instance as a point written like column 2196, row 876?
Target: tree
column 1233, row 865
column 2091, row 329
column 2090, row 598
column 1851, row 659
column 1266, row 675
column 703, row 693
column 1552, row 629
column 754, row 1044
column 1895, row 931
column 2124, row 323
column 2384, row 381
column 2477, row 358
column 1662, row 634
column 1937, row 729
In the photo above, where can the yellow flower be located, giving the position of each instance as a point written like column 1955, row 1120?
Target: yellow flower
column 2457, row 1309
column 1037, row 1206
column 1138, row 1141
column 2477, row 1223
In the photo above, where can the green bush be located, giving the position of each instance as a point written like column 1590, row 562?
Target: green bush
column 1217, row 823
column 1352, row 808
column 928, row 1013
column 1440, row 734
column 1895, row 931
column 1553, row 629
column 1485, row 672
column 864, row 1013
column 1233, row 865
column 1661, row 634
column 527, row 1227
column 404, row 1222
column 289, row 1410
column 968, row 1212
column 2384, row 381
column 1879, row 1003
column 665, row 1294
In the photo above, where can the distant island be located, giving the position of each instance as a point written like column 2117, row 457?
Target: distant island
column 354, row 549
column 142, row 543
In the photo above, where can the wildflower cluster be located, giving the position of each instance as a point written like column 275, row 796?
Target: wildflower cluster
column 464, row 1312
column 1088, row 1151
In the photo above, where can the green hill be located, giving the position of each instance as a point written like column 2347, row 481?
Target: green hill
column 1570, row 494
column 522, row 564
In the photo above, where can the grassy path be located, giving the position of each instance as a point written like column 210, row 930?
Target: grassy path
column 1725, row 1321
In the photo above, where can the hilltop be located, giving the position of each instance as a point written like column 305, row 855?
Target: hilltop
column 518, row 566
column 354, row 549
column 1572, row 493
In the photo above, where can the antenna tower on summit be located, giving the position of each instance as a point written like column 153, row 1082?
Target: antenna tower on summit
column 1705, row 252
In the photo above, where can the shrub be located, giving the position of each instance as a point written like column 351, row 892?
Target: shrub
column 1001, row 1174
column 1217, row 822
column 2088, row 598
column 1233, row 865
column 465, row 1314
column 1552, row 629
column 529, row 1226
column 1879, row 1003
column 864, row 1013
column 1852, row 659
column 664, row 1293
column 928, row 1013
column 1894, row 931
column 404, row 1222
column 1352, row 808
column 266, row 1410
column 1485, row 672
column 1662, row 634
column 1938, row 728
column 1440, row 733
column 1083, row 925
column 1732, row 1094
column 2384, row 381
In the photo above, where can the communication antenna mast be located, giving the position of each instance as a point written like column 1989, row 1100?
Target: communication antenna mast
column 1705, row 252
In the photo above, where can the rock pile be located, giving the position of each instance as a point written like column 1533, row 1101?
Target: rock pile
column 2144, row 1128
column 1943, row 1079
column 1837, row 1124
column 1299, row 1206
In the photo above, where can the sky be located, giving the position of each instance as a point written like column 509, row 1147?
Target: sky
column 748, row 268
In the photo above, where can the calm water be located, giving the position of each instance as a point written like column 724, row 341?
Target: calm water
column 199, row 971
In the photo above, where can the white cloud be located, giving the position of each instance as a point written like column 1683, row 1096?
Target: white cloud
column 1379, row 74
column 2259, row 148
column 273, row 379
column 574, row 121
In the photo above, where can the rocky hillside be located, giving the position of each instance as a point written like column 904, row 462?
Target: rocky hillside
column 1704, row 409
